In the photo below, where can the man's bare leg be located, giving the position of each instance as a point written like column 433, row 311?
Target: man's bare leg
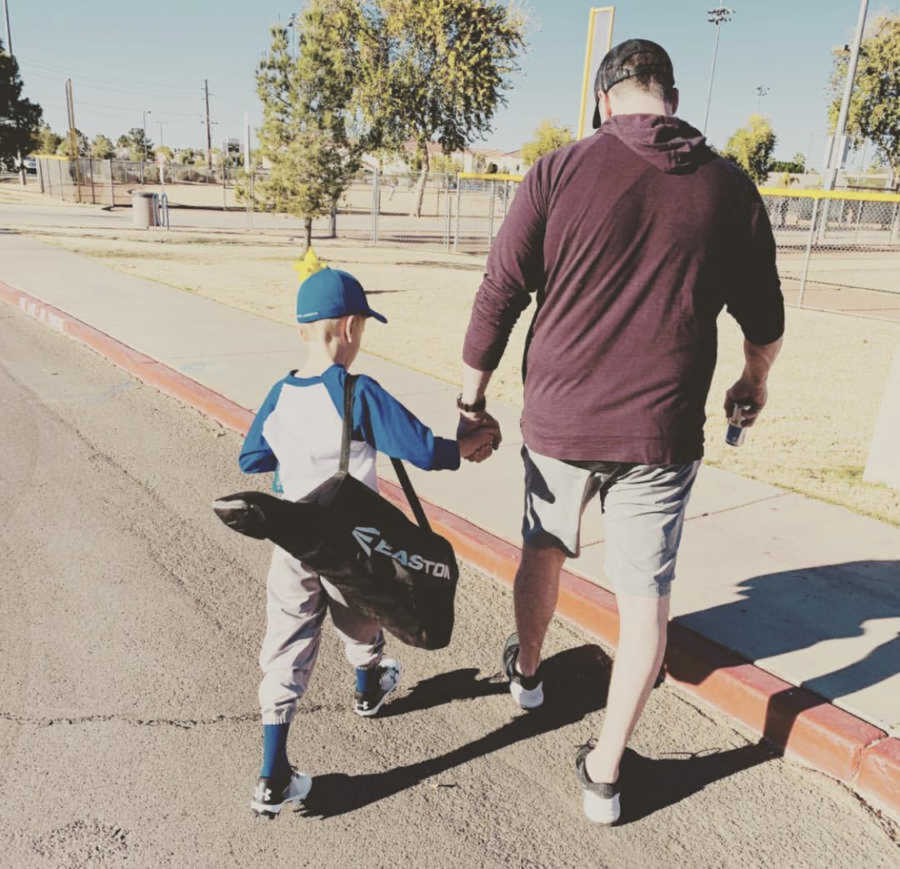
column 534, row 595
column 643, row 623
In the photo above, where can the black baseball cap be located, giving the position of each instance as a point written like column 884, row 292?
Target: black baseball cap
column 617, row 65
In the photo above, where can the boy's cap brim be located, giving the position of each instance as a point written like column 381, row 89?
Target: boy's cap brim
column 380, row 317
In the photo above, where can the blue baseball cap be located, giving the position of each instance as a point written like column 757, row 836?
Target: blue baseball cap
column 332, row 293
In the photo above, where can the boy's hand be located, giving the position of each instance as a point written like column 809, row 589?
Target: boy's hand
column 478, row 435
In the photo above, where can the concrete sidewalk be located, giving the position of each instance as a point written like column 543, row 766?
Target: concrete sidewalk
column 808, row 591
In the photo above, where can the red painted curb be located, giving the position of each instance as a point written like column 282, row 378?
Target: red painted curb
column 803, row 724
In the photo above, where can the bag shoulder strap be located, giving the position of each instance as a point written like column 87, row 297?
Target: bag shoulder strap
column 411, row 495
column 349, row 385
column 402, row 476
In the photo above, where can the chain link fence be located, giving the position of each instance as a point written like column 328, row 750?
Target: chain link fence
column 836, row 249
column 111, row 182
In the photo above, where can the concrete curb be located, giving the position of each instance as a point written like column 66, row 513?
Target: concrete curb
column 802, row 724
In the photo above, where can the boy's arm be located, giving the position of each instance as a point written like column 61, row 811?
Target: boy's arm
column 382, row 421
column 256, row 455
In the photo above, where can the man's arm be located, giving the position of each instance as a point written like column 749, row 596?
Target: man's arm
column 750, row 388
column 515, row 268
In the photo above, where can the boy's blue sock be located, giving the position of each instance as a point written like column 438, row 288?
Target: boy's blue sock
column 275, row 761
column 366, row 679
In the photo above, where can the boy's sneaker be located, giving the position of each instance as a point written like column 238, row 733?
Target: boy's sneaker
column 271, row 793
column 527, row 691
column 600, row 799
column 369, row 702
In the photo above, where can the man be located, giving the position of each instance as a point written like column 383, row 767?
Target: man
column 633, row 240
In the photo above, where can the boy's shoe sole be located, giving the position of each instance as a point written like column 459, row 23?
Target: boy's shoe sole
column 367, row 706
column 600, row 800
column 528, row 692
column 265, row 804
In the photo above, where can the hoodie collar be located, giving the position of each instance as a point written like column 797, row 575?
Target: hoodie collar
column 666, row 142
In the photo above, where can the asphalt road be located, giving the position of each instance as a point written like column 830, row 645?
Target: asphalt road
column 129, row 626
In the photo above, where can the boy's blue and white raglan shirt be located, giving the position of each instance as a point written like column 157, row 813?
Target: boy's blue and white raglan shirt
column 298, row 428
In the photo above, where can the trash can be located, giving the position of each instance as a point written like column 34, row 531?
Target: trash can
column 143, row 214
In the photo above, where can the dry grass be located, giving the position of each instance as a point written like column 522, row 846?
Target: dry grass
column 824, row 392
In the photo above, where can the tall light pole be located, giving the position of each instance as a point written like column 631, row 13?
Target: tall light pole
column 761, row 91
column 717, row 16
column 834, row 151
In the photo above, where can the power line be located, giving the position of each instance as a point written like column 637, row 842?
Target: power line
column 172, row 87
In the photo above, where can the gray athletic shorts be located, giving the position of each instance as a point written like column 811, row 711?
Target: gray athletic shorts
column 643, row 505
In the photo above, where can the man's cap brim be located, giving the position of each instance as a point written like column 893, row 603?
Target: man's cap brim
column 380, row 317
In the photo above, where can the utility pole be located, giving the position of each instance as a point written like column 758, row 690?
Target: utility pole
column 717, row 16
column 144, row 143
column 835, row 148
column 73, row 136
column 208, row 131
column 9, row 49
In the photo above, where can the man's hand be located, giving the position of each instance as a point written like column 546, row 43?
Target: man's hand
column 745, row 393
column 478, row 435
column 750, row 388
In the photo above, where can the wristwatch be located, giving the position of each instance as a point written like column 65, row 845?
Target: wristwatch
column 475, row 407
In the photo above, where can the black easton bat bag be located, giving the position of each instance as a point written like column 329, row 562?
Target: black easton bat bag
column 397, row 572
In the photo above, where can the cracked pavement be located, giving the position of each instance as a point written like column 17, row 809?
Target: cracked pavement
column 130, row 619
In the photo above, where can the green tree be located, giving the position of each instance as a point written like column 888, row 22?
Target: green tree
column 547, row 137
column 874, row 111
column 445, row 164
column 313, row 133
column 20, row 119
column 138, row 143
column 82, row 146
column 102, row 148
column 165, row 151
column 751, row 147
column 187, row 156
column 443, row 71
column 47, row 140
column 796, row 165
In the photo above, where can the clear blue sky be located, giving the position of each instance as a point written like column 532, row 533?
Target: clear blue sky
column 125, row 58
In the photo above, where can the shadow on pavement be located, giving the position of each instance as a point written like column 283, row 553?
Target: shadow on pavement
column 575, row 683
column 800, row 608
column 650, row 784
column 443, row 688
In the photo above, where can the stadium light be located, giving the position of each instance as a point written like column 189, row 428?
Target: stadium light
column 718, row 16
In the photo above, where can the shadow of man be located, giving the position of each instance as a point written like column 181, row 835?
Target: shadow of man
column 575, row 681
column 794, row 610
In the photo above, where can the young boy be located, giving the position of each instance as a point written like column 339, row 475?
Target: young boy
column 297, row 432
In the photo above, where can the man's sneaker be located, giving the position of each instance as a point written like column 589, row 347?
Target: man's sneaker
column 369, row 702
column 601, row 800
column 527, row 691
column 271, row 793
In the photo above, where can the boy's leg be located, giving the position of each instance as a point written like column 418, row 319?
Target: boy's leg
column 295, row 608
column 363, row 641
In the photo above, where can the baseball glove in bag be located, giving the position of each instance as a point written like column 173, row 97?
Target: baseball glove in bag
column 397, row 572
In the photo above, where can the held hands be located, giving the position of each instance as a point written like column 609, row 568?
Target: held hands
column 746, row 392
column 478, row 435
